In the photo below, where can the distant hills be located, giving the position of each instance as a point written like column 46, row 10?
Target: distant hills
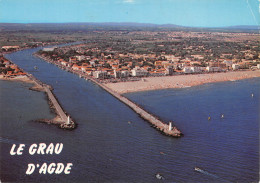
column 124, row 26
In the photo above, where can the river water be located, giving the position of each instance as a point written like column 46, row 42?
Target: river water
column 113, row 144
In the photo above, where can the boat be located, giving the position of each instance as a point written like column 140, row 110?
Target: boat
column 162, row 153
column 158, row 176
column 197, row 169
column 35, row 67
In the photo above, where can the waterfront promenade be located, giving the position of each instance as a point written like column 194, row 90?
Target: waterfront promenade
column 166, row 129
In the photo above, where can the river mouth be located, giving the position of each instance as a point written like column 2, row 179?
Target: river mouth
column 107, row 148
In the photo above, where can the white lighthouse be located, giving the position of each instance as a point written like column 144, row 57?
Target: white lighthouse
column 170, row 126
column 68, row 120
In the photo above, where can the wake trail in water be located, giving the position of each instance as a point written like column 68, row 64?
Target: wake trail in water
column 212, row 175
column 207, row 173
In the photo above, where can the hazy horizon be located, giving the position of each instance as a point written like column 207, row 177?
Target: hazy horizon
column 136, row 24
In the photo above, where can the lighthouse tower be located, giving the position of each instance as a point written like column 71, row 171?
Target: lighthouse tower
column 68, row 120
column 170, row 126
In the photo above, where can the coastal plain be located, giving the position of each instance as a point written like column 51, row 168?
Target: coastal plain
column 179, row 81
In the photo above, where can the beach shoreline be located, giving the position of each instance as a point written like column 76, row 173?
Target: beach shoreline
column 179, row 81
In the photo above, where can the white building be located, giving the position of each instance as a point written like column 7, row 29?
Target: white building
column 196, row 69
column 64, row 63
column 228, row 63
column 192, row 69
column 235, row 66
column 121, row 74
column 80, row 57
column 49, row 49
column 200, row 57
column 169, row 70
column 100, row 74
column 187, row 70
column 213, row 69
column 258, row 66
column 172, row 58
column 92, row 62
column 125, row 73
column 139, row 72
column 117, row 74
column 157, row 74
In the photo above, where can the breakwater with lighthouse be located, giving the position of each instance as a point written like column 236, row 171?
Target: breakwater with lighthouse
column 62, row 119
column 167, row 129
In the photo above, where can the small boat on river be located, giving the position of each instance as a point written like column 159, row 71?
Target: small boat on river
column 158, row 176
column 197, row 169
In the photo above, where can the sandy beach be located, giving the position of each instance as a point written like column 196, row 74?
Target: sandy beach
column 180, row 81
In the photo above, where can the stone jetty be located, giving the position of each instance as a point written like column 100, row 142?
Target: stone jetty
column 166, row 129
column 66, row 122
column 158, row 124
column 63, row 120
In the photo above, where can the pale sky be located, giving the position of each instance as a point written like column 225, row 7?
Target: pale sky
column 195, row 13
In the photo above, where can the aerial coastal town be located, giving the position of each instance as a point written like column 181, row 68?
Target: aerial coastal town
column 125, row 56
column 129, row 91
column 118, row 56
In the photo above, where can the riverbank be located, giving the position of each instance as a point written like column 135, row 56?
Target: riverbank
column 180, row 81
